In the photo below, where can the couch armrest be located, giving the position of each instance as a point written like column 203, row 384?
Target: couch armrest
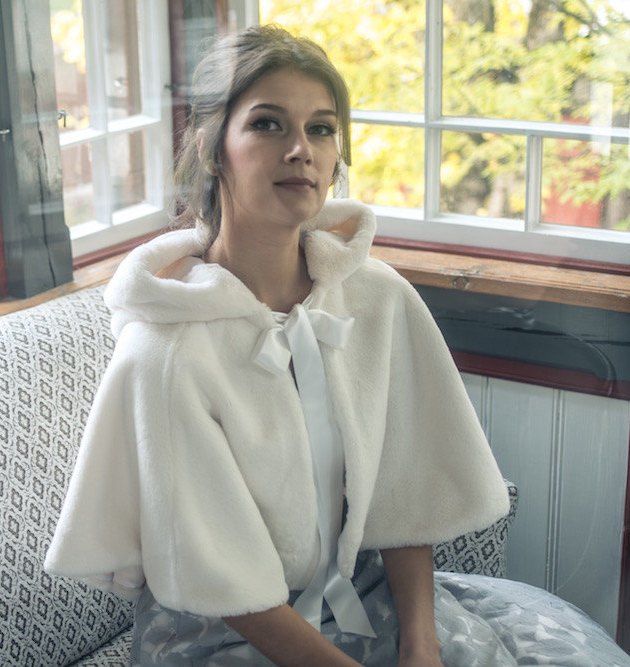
column 479, row 552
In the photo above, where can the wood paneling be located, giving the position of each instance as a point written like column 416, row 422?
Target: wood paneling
column 520, row 428
column 546, row 376
column 591, row 497
column 568, row 455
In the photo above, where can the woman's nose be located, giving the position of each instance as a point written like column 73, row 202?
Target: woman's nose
column 299, row 146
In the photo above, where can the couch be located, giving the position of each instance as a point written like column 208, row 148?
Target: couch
column 52, row 358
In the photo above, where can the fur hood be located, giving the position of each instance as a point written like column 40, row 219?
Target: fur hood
column 165, row 280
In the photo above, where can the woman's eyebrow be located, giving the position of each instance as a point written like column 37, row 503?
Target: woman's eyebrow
column 275, row 107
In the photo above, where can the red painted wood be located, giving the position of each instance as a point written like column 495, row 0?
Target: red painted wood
column 555, row 211
column 546, row 376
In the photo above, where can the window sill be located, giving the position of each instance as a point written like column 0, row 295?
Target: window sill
column 437, row 269
column 520, row 280
column 89, row 276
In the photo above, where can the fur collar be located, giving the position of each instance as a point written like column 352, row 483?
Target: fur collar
column 165, row 280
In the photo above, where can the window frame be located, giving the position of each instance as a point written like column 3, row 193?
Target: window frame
column 154, row 120
column 516, row 236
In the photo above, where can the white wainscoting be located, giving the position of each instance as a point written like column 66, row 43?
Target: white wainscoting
column 568, row 455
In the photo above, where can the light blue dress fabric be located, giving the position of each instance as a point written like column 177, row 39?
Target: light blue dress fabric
column 480, row 621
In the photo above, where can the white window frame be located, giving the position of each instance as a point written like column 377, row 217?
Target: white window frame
column 428, row 224
column 155, row 120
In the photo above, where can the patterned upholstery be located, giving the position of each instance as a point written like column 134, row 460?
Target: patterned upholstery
column 52, row 358
column 479, row 552
column 114, row 653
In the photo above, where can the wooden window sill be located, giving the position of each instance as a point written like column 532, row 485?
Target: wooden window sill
column 575, row 287
column 437, row 269
column 89, row 276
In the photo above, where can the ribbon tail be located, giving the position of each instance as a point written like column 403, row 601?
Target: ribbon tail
column 309, row 602
column 346, row 605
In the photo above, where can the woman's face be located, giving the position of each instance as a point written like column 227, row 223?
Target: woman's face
column 266, row 145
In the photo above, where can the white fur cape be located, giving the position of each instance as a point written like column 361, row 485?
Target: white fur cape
column 194, row 470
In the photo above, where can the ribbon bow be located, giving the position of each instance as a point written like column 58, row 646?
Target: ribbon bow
column 273, row 351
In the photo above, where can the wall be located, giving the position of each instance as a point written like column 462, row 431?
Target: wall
column 568, row 454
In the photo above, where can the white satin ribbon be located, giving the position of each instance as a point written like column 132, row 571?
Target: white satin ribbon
column 297, row 337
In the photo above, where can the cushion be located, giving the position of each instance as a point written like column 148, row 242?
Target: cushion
column 115, row 652
column 52, row 357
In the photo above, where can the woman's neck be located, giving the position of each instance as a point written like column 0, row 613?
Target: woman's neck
column 276, row 274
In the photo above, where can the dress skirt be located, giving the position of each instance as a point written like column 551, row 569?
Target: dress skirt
column 167, row 637
column 480, row 621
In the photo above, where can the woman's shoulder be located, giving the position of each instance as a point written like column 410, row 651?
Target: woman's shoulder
column 375, row 277
column 378, row 270
column 145, row 348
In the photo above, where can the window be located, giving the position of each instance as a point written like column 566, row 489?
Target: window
column 111, row 71
column 498, row 123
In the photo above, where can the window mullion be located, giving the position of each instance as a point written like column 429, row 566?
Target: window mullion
column 149, row 42
column 152, row 19
column 242, row 14
column 533, row 181
column 94, row 17
column 432, row 108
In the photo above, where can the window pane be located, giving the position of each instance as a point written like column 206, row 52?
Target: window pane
column 387, row 165
column 78, row 189
column 518, row 59
column 66, row 26
column 126, row 164
column 483, row 173
column 122, row 69
column 586, row 184
column 377, row 46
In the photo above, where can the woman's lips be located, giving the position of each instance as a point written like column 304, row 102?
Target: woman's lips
column 296, row 187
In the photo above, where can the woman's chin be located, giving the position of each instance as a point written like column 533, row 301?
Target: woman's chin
column 307, row 205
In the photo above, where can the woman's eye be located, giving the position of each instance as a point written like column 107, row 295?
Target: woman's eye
column 264, row 120
column 329, row 130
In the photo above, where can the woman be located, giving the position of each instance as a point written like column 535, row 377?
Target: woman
column 259, row 517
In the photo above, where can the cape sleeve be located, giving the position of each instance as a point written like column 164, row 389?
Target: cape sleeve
column 156, row 497
column 437, row 477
